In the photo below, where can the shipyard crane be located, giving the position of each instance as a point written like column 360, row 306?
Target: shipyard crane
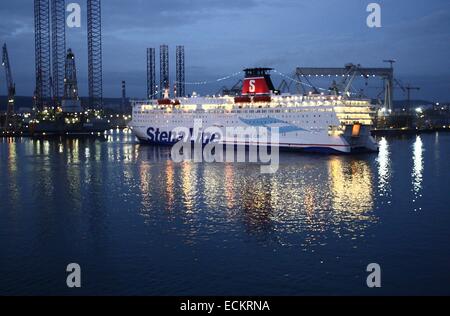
column 348, row 73
column 390, row 61
column 10, row 85
column 235, row 89
column 407, row 89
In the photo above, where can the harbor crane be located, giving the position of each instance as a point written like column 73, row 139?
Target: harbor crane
column 390, row 61
column 10, row 86
column 408, row 88
column 348, row 74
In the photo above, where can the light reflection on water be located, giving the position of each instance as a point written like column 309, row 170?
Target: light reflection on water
column 418, row 162
column 417, row 171
column 118, row 200
column 308, row 194
column 384, row 167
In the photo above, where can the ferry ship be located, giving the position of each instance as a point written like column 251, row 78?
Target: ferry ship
column 312, row 122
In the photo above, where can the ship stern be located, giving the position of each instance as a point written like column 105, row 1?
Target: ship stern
column 360, row 139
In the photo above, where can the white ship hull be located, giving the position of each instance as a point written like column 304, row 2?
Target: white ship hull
column 300, row 130
column 313, row 122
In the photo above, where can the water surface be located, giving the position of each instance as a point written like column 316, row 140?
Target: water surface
column 140, row 224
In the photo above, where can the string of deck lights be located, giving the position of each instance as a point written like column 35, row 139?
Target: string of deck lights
column 205, row 82
column 295, row 80
column 212, row 81
column 303, row 83
column 240, row 72
column 154, row 94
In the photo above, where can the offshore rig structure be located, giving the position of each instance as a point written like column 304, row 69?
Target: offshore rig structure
column 179, row 88
column 50, row 53
column 56, row 104
column 10, row 88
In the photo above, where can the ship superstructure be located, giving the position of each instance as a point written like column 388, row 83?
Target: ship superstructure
column 312, row 122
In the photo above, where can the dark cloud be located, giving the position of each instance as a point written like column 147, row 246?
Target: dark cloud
column 160, row 15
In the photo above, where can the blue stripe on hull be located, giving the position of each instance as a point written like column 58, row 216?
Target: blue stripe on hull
column 158, row 143
column 317, row 150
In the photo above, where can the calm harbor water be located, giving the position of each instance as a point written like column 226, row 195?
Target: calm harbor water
column 138, row 223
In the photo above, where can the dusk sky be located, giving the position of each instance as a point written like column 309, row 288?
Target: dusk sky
column 223, row 36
